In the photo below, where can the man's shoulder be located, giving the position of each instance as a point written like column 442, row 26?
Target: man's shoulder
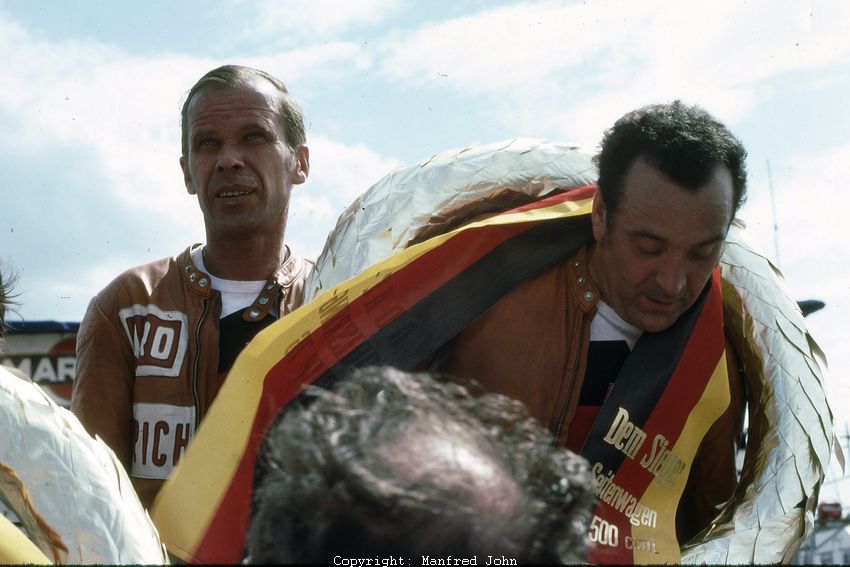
column 292, row 277
column 308, row 267
column 145, row 279
column 295, row 269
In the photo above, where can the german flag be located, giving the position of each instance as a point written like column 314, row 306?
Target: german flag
column 671, row 389
column 396, row 312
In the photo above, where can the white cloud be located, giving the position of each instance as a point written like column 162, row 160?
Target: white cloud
column 338, row 174
column 518, row 45
column 329, row 61
column 492, row 49
column 812, row 212
column 121, row 110
column 809, row 201
column 578, row 66
column 317, row 19
column 109, row 121
column 62, row 298
column 94, row 100
column 344, row 172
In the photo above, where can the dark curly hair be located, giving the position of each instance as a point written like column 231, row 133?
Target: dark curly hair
column 684, row 142
column 392, row 463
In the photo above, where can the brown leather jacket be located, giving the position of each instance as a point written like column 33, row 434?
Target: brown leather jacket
column 532, row 346
column 147, row 359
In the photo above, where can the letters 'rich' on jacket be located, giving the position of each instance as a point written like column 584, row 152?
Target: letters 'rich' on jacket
column 147, row 359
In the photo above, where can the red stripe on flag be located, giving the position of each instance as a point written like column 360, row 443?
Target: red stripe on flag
column 577, row 194
column 699, row 359
column 223, row 539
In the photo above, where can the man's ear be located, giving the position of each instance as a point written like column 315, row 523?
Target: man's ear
column 187, row 178
column 301, row 167
column 599, row 216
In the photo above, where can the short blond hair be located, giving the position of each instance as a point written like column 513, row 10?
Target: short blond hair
column 225, row 76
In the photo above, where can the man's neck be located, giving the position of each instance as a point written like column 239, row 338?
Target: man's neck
column 243, row 260
column 594, row 271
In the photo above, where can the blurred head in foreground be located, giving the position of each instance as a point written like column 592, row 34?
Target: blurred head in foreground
column 392, row 463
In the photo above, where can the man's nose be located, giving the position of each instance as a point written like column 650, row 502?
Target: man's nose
column 229, row 158
column 671, row 277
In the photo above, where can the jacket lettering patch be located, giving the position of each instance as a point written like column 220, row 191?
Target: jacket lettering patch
column 158, row 339
column 161, row 433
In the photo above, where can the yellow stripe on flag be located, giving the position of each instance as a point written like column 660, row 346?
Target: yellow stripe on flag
column 188, row 501
column 664, row 498
column 16, row 548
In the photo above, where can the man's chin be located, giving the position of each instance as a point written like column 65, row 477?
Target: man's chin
column 235, row 226
column 656, row 322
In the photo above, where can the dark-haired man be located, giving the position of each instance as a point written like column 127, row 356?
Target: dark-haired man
column 156, row 343
column 670, row 181
column 391, row 464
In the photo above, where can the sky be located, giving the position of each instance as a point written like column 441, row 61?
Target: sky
column 91, row 91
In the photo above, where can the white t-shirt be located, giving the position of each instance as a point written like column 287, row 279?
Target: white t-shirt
column 235, row 294
column 611, row 341
column 608, row 326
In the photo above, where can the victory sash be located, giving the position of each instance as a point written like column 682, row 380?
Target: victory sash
column 671, row 389
column 396, row 312
column 402, row 309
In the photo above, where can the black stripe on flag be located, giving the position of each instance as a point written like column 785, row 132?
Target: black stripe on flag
column 641, row 381
column 442, row 314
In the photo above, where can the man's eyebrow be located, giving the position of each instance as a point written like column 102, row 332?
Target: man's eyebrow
column 262, row 126
column 715, row 240
column 200, row 133
column 643, row 233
